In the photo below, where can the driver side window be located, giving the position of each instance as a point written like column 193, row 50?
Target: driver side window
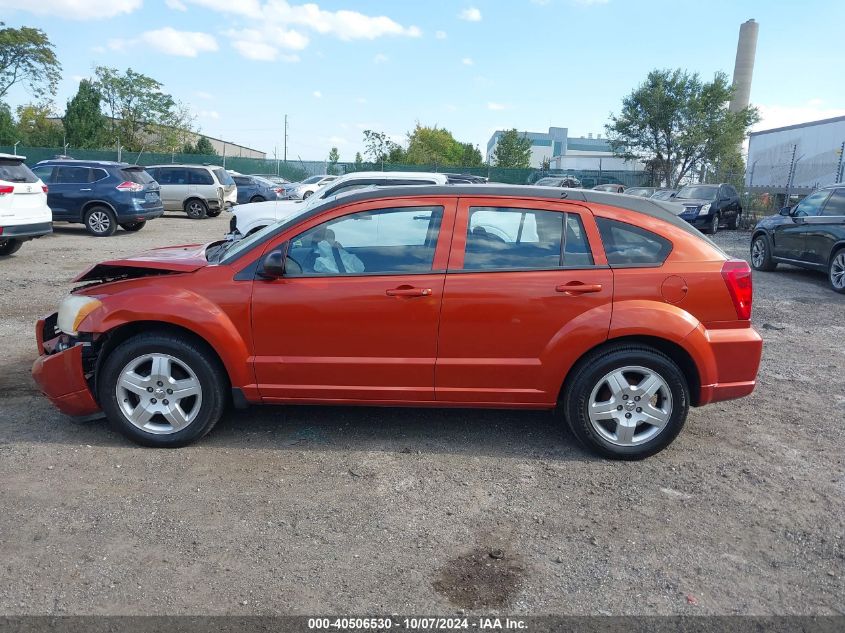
column 383, row 241
column 811, row 205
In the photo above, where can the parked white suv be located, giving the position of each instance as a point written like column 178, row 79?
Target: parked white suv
column 248, row 218
column 306, row 188
column 24, row 213
column 198, row 190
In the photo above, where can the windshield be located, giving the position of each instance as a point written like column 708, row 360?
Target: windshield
column 699, row 192
column 644, row 192
column 548, row 182
column 232, row 249
column 312, row 180
column 663, row 195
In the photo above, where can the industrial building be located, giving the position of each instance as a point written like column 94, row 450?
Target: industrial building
column 798, row 158
column 563, row 152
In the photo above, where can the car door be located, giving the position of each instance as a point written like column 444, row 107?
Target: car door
column 355, row 316
column 524, row 291
column 730, row 199
column 70, row 189
column 45, row 173
column 828, row 228
column 791, row 239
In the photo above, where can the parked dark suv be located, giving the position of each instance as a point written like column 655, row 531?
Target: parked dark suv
column 708, row 207
column 811, row 235
column 100, row 194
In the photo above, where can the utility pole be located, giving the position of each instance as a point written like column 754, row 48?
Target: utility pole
column 791, row 174
column 286, row 140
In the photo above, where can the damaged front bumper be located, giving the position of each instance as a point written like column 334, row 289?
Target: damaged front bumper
column 60, row 370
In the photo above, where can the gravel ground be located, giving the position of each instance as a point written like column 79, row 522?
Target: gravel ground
column 338, row 510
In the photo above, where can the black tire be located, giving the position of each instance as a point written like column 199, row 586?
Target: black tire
column 306, row 194
column 9, row 246
column 257, row 199
column 588, row 375
column 187, row 352
column 733, row 223
column 133, row 226
column 762, row 259
column 837, row 268
column 100, row 221
column 213, row 213
column 713, row 227
column 196, row 209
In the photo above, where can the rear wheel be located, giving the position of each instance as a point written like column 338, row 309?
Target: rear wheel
column 761, row 254
column 257, row 199
column 836, row 274
column 9, row 246
column 100, row 221
column 161, row 390
column 733, row 223
column 196, row 209
column 133, row 226
column 306, row 194
column 626, row 402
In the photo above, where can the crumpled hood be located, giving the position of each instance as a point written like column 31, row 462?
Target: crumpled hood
column 172, row 259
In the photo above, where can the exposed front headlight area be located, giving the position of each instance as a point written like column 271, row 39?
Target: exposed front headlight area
column 704, row 210
column 72, row 311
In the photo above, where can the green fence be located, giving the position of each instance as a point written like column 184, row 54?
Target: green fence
column 297, row 170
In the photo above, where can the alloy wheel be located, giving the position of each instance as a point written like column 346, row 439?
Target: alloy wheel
column 837, row 271
column 630, row 406
column 159, row 393
column 99, row 222
column 758, row 252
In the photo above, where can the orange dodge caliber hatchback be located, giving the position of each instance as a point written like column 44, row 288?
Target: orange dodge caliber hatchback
column 607, row 307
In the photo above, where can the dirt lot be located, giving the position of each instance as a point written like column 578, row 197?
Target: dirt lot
column 365, row 511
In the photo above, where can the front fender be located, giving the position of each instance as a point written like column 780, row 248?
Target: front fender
column 183, row 308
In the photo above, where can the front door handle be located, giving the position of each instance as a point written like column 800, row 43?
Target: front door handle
column 88, row 189
column 577, row 288
column 408, row 291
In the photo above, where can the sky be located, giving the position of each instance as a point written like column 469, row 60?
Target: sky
column 338, row 67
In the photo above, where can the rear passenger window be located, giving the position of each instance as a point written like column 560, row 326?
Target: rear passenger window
column 836, row 203
column 73, row 175
column 172, row 176
column 200, row 177
column 515, row 238
column 629, row 245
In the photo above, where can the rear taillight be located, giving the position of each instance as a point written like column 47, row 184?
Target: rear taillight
column 44, row 188
column 737, row 276
column 279, row 189
column 4, row 189
column 130, row 186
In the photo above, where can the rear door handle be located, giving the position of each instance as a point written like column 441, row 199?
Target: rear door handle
column 89, row 189
column 577, row 288
column 408, row 291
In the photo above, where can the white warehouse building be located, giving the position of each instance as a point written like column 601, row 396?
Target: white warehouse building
column 811, row 152
column 564, row 152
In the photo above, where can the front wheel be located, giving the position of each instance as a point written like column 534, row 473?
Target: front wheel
column 9, row 246
column 306, row 195
column 761, row 254
column 837, row 271
column 626, row 402
column 257, row 199
column 161, row 390
column 713, row 225
column 100, row 221
column 196, row 209
column 133, row 226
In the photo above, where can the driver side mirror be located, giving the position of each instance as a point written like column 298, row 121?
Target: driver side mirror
column 786, row 211
column 272, row 266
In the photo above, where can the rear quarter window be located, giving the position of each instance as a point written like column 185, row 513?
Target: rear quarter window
column 136, row 175
column 629, row 245
column 15, row 171
column 200, row 177
column 223, row 177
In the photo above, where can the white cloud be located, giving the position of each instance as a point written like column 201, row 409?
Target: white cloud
column 74, row 9
column 440, row 35
column 180, row 43
column 380, row 58
column 467, row 61
column 176, row 5
column 470, row 15
column 257, row 51
column 249, row 8
column 343, row 24
column 772, row 116
column 209, row 114
column 264, row 45
column 317, row 94
column 492, row 105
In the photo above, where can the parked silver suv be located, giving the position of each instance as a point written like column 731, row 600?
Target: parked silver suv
column 198, row 190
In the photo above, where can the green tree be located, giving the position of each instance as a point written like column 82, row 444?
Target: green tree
column 38, row 127
column 205, row 147
column 27, row 57
column 378, row 146
column 472, row 156
column 359, row 161
column 135, row 105
column 513, row 150
column 676, row 123
column 8, row 131
column 334, row 156
column 84, row 123
column 176, row 130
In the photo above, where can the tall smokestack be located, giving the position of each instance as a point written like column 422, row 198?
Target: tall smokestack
column 746, row 49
